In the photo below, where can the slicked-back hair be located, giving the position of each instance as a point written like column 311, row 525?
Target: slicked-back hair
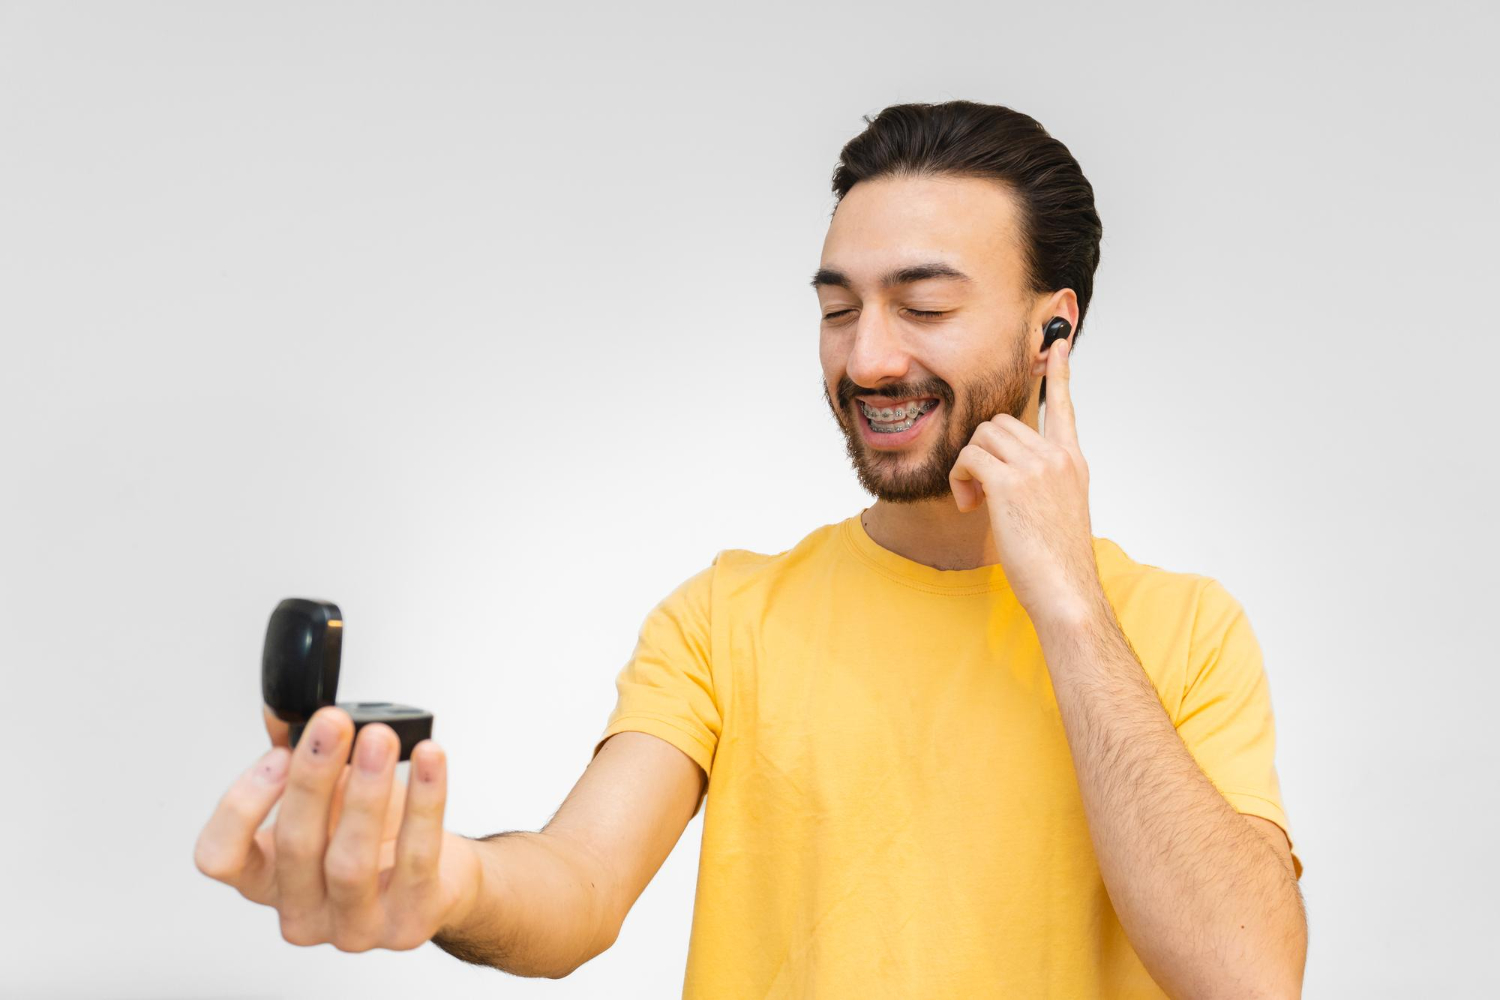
column 1060, row 227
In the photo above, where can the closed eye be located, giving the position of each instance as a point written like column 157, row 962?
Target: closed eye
column 924, row 313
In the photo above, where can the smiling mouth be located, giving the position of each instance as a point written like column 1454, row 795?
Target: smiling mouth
column 895, row 419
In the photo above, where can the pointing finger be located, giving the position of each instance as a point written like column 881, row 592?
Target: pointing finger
column 1058, row 426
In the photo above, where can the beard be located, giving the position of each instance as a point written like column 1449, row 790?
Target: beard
column 911, row 477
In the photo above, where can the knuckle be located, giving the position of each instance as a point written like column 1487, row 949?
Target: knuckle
column 236, row 814
column 293, row 846
column 209, row 864
column 300, row 932
column 306, row 780
column 414, row 925
column 409, row 937
column 421, row 863
column 344, row 871
column 418, row 888
column 353, row 941
column 241, row 811
column 420, row 814
column 358, row 931
column 404, row 935
column 407, row 943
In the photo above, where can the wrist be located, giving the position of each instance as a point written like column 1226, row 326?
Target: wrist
column 1072, row 614
column 470, row 885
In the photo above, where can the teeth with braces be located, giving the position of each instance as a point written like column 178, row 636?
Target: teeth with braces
column 894, row 420
column 903, row 412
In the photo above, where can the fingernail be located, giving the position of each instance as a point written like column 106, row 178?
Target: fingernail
column 431, row 759
column 321, row 735
column 271, row 767
column 371, row 755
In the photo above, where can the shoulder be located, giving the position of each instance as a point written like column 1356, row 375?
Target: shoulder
column 739, row 570
column 1163, row 593
column 1173, row 618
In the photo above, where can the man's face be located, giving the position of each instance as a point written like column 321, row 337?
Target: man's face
column 951, row 371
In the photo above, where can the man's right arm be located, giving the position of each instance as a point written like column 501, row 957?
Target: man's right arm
column 548, row 902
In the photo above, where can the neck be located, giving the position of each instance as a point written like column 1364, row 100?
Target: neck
column 933, row 533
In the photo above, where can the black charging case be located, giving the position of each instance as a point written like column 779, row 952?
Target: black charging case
column 299, row 674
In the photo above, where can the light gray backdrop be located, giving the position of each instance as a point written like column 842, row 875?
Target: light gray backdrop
column 492, row 325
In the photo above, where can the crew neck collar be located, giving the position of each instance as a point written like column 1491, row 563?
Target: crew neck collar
column 920, row 576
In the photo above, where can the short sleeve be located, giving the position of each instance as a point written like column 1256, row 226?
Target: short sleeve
column 666, row 688
column 1225, row 718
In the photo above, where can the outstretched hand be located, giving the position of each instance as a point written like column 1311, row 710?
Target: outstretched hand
column 354, row 858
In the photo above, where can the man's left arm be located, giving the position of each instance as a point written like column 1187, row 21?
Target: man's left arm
column 1208, row 900
column 1209, row 905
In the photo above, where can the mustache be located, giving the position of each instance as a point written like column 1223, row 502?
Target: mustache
column 848, row 389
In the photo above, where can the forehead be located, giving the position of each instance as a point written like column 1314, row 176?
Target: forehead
column 968, row 222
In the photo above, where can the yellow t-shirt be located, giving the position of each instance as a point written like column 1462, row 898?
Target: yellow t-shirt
column 892, row 809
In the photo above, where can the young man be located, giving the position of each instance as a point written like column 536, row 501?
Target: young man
column 952, row 746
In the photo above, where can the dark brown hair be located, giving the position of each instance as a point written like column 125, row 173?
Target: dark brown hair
column 1060, row 228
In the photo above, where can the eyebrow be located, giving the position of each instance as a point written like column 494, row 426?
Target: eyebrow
column 900, row 276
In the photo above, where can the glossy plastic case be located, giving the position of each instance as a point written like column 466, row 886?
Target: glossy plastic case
column 299, row 674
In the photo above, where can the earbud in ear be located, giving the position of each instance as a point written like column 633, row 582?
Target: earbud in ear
column 1056, row 329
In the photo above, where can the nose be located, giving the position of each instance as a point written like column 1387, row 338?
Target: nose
column 877, row 352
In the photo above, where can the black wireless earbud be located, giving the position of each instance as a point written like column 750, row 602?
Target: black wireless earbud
column 1056, row 329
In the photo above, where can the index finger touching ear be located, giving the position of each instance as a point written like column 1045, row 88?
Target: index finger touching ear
column 1058, row 425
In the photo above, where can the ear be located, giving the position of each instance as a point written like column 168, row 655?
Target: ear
column 1062, row 302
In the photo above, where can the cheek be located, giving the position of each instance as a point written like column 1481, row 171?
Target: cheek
column 829, row 354
column 832, row 362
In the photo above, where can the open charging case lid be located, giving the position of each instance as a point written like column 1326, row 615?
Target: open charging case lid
column 299, row 674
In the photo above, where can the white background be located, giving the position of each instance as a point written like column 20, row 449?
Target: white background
column 492, row 325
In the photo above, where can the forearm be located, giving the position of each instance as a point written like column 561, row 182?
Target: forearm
column 540, row 908
column 1203, row 898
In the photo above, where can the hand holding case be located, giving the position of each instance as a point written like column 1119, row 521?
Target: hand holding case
column 299, row 674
